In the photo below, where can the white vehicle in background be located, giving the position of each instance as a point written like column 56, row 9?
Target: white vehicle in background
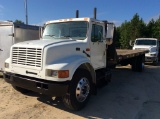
column 12, row 33
column 150, row 44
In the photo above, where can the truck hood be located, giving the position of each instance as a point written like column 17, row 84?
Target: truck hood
column 42, row 43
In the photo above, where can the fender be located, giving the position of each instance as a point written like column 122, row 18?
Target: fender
column 8, row 61
column 71, row 63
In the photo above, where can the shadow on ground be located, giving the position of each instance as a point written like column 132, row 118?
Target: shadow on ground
column 130, row 95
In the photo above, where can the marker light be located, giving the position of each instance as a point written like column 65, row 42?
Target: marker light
column 6, row 65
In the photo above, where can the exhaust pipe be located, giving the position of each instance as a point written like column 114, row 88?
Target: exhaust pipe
column 95, row 13
column 77, row 13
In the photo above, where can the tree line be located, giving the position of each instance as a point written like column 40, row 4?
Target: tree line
column 136, row 28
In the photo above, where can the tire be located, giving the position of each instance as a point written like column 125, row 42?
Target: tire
column 108, row 76
column 113, row 66
column 138, row 64
column 134, row 64
column 155, row 63
column 124, row 64
column 21, row 90
column 79, row 90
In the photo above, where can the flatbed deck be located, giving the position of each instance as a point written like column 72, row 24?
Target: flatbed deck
column 126, row 53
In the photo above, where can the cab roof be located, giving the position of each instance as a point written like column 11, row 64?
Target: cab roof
column 74, row 19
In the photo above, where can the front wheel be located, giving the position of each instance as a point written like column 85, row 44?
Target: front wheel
column 79, row 90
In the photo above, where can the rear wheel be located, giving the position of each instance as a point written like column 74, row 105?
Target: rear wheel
column 134, row 64
column 138, row 64
column 79, row 90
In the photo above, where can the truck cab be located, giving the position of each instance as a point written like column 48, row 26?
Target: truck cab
column 66, row 62
column 151, row 45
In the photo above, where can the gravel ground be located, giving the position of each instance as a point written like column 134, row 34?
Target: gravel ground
column 130, row 95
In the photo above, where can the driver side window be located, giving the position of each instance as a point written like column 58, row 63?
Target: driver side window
column 97, row 33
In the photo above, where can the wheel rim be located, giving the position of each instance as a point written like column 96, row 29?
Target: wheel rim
column 82, row 89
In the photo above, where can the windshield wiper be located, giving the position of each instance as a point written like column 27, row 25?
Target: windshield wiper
column 50, row 35
column 67, row 37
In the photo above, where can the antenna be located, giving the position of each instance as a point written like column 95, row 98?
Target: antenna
column 26, row 12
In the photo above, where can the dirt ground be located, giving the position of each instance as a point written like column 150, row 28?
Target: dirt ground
column 130, row 95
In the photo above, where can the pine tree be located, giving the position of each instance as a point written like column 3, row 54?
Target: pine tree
column 138, row 27
column 125, row 35
column 157, row 28
column 150, row 28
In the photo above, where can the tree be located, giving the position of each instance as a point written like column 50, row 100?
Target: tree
column 117, row 37
column 138, row 27
column 125, row 36
column 157, row 28
column 150, row 28
column 130, row 30
column 143, row 28
column 18, row 21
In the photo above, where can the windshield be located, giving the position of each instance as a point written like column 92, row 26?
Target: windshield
column 66, row 30
column 145, row 42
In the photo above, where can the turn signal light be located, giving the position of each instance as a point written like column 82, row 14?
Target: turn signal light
column 63, row 74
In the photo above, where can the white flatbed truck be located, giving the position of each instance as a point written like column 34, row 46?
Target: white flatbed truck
column 69, row 60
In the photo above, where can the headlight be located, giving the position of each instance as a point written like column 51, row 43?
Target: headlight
column 153, row 49
column 154, row 55
column 57, row 73
column 6, row 65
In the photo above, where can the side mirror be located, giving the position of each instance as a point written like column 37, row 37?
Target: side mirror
column 109, row 34
column 41, row 31
column 131, row 42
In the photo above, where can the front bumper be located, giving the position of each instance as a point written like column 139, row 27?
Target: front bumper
column 150, row 59
column 37, row 85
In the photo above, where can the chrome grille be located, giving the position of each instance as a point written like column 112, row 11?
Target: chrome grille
column 27, row 56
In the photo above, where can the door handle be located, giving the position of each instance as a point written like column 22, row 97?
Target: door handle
column 1, row 50
column 11, row 35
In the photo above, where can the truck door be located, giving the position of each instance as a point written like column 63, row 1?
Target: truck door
column 6, row 41
column 98, row 54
